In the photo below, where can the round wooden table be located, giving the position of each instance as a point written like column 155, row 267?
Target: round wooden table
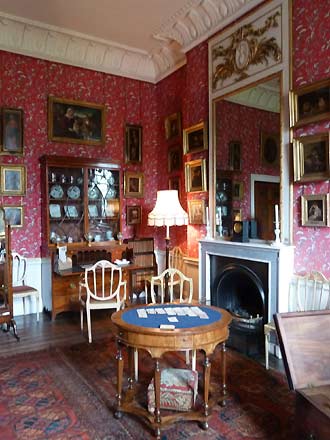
column 190, row 333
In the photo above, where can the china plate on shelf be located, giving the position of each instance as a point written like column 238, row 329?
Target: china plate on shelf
column 93, row 193
column 56, row 191
column 71, row 211
column 92, row 210
column 55, row 211
column 74, row 192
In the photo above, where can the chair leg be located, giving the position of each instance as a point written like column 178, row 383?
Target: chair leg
column 267, row 338
column 89, row 325
column 23, row 305
column 187, row 357
column 193, row 360
column 81, row 318
column 136, row 364
column 37, row 305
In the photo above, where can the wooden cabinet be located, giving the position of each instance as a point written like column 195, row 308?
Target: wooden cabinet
column 81, row 209
column 81, row 200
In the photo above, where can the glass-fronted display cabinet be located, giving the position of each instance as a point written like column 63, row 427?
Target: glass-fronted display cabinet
column 81, row 201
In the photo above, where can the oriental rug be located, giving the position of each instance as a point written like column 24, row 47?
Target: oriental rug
column 70, row 393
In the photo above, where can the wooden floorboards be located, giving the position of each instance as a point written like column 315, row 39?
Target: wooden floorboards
column 64, row 330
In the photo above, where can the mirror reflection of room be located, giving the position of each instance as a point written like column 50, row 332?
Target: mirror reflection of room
column 247, row 124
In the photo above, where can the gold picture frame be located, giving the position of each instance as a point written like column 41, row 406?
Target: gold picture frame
column 174, row 159
column 310, row 103
column 76, row 122
column 14, row 215
column 311, row 157
column 196, row 212
column 13, row 180
column 237, row 191
column 133, row 143
column 133, row 215
column 133, row 184
column 12, row 131
column 173, row 126
column 315, row 210
column 270, row 149
column 195, row 138
column 195, row 175
column 235, row 156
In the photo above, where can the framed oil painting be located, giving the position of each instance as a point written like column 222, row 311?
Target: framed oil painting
column 195, row 174
column 235, row 160
column 133, row 215
column 13, row 180
column 310, row 103
column 311, row 158
column 315, row 210
column 133, row 184
column 195, row 138
column 14, row 216
column 237, row 190
column 196, row 212
column 12, row 131
column 270, row 149
column 173, row 126
column 174, row 159
column 133, row 143
column 76, row 121
column 175, row 183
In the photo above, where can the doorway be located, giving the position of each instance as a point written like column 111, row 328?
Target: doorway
column 266, row 195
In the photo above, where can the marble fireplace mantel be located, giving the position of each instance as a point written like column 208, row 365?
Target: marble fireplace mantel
column 279, row 259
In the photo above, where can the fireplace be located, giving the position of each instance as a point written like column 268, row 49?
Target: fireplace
column 248, row 279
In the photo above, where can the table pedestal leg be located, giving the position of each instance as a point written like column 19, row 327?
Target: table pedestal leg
column 223, row 374
column 157, row 418
column 120, row 370
column 207, row 373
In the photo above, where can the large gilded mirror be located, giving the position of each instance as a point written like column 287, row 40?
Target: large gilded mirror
column 249, row 126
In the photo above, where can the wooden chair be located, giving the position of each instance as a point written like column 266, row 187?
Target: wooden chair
column 102, row 287
column 307, row 293
column 20, row 288
column 6, row 286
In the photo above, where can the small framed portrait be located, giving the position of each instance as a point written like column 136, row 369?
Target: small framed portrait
column 195, row 138
column 310, row 103
column 235, row 161
column 196, row 212
column 14, row 216
column 315, row 210
column 195, row 175
column 133, row 184
column 174, row 159
column 13, row 180
column 237, row 190
column 237, row 215
column 133, row 143
column 2, row 222
column 270, row 149
column 173, row 126
column 76, row 121
column 311, row 157
column 133, row 215
column 175, row 183
column 12, row 131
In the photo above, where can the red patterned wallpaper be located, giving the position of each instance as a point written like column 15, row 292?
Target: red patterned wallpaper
column 311, row 36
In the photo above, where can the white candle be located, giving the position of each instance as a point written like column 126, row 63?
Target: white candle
column 277, row 224
column 207, row 216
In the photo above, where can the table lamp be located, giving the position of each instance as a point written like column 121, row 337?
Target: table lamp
column 167, row 212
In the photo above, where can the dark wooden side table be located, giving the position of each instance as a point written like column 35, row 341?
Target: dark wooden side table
column 191, row 333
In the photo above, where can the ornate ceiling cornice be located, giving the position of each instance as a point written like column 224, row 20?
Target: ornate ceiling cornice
column 189, row 26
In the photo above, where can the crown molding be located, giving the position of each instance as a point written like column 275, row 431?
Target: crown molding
column 188, row 27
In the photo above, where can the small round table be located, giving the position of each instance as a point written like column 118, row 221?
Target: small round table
column 190, row 333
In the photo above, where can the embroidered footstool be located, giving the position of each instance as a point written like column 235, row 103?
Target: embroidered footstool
column 178, row 390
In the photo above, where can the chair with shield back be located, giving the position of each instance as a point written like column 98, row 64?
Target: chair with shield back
column 308, row 292
column 102, row 287
column 176, row 259
column 20, row 288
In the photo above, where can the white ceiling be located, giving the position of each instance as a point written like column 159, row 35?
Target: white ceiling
column 142, row 39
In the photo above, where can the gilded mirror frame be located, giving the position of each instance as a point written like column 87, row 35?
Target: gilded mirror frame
column 227, row 76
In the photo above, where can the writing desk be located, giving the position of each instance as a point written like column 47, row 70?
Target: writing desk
column 191, row 333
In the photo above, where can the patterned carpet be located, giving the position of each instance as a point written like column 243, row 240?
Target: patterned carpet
column 70, row 394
